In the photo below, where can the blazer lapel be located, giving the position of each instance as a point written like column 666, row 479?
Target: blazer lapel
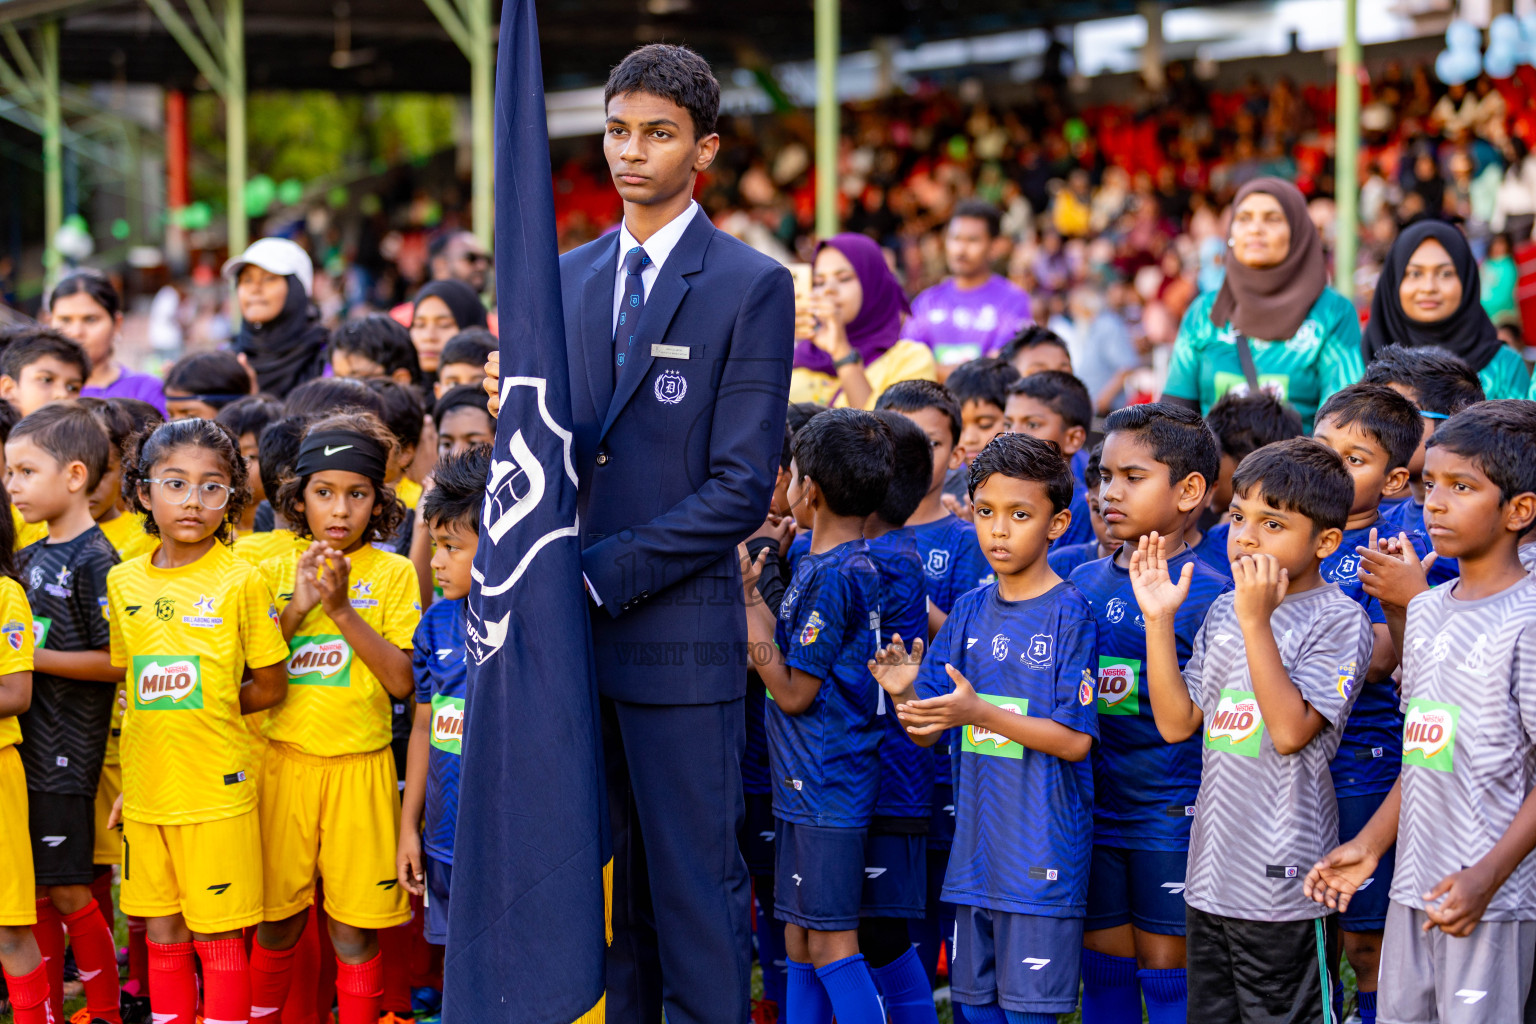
column 597, row 325
column 660, row 306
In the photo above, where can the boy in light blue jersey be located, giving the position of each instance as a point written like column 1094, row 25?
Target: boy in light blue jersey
column 1012, row 668
column 823, row 732
column 1055, row 407
column 1153, row 474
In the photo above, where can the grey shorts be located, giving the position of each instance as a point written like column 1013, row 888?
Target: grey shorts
column 1434, row 978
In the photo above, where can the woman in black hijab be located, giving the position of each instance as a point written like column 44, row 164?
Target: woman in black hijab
column 280, row 337
column 443, row 309
column 1429, row 295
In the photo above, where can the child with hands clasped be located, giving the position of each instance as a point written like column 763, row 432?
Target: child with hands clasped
column 1461, row 926
column 329, row 802
column 1012, row 668
column 187, row 620
column 1270, row 681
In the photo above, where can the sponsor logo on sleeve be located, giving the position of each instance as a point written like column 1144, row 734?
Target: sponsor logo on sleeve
column 1346, row 680
column 1429, row 735
column 167, row 682
column 976, row 740
column 1085, row 689
column 812, row 628
column 448, row 723
column 1119, row 686
column 1236, row 727
column 321, row 660
column 15, row 634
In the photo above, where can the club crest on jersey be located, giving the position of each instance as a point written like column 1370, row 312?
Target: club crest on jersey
column 1115, row 610
column 976, row 740
column 35, row 577
column 1000, row 647
column 322, row 660
column 937, row 563
column 671, row 387
column 206, row 616
column 1346, row 679
column 1429, row 735
column 15, row 634
column 362, row 595
column 165, row 682
column 812, row 628
column 1039, row 651
column 60, row 586
column 165, row 609
column 1085, row 689
column 1441, row 648
column 448, row 723
column 1237, row 727
column 1119, row 689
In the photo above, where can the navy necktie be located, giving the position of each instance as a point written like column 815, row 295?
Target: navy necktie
column 630, row 306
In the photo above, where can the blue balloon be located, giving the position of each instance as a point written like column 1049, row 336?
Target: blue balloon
column 1463, row 35
column 1505, row 31
column 1499, row 65
column 1528, row 27
column 1471, row 64
column 1450, row 69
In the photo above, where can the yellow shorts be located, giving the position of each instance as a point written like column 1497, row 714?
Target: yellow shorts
column 209, row 873
column 18, row 895
column 338, row 818
column 109, row 842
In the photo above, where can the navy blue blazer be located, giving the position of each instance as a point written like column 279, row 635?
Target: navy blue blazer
column 676, row 458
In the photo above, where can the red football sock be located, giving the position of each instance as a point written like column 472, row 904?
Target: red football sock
column 101, row 889
column 172, row 983
column 96, row 957
column 29, row 997
column 360, row 991
column 300, row 1005
column 49, row 933
column 138, row 954
column 271, row 973
column 226, row 981
column 395, row 948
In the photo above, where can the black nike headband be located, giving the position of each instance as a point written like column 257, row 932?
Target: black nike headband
column 343, row 450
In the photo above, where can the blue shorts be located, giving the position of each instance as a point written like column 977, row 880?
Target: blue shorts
column 895, row 876
column 439, row 877
column 941, row 822
column 756, row 836
column 1144, row 888
column 1368, row 906
column 818, row 878
column 1021, row 962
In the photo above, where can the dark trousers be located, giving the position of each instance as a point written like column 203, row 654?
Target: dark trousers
column 681, row 895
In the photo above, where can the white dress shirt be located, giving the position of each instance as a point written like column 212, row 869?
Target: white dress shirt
column 658, row 247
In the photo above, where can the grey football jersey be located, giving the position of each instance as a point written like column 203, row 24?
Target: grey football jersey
column 1263, row 818
column 1528, row 556
column 1469, row 739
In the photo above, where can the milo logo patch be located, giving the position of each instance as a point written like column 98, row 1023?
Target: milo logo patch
column 448, row 723
column 1237, row 727
column 976, row 740
column 1429, row 735
column 319, row 661
column 1119, row 686
column 167, row 682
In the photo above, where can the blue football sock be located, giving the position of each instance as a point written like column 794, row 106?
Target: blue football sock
column 770, row 953
column 805, row 1001
column 989, row 1014
column 851, row 989
column 1110, row 995
column 908, row 995
column 1365, row 1002
column 1020, row 1017
column 1167, row 995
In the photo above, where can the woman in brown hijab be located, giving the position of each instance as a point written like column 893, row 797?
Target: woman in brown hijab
column 1274, row 324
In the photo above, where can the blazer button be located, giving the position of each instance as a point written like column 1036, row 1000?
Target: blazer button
column 602, row 458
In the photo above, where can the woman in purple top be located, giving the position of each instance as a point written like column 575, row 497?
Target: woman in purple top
column 86, row 308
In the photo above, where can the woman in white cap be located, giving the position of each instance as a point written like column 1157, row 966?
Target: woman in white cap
column 280, row 337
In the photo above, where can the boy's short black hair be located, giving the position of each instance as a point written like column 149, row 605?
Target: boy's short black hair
column 277, row 449
column 68, row 432
column 403, row 414
column 30, row 344
column 144, row 414
column 787, row 450
column 1177, row 437
column 380, row 339
column 326, row 395
column 114, row 419
column 1441, row 382
column 917, row 395
column 472, row 347
column 1092, row 476
column 9, row 417
column 1245, row 423
column 250, row 415
column 465, row 396
column 1025, row 457
column 850, row 455
column 982, row 380
column 800, row 413
column 1032, row 336
column 458, row 489
column 980, row 209
column 1059, row 392
column 1300, row 475
column 1499, row 436
column 911, row 468
column 674, row 73
column 1381, row 412
column 214, row 378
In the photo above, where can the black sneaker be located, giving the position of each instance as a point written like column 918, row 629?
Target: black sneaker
column 134, row 1009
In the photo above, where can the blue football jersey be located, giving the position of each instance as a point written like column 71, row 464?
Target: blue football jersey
column 1023, row 819
column 1081, row 529
column 1409, row 518
column 798, row 549
column 825, row 767
column 1064, row 560
column 1079, row 462
column 439, row 665
column 1144, row 787
column 906, row 769
column 1212, row 549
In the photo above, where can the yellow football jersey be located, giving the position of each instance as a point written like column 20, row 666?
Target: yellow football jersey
column 186, row 636
column 16, row 650
column 408, row 491
column 258, row 547
column 27, row 533
column 128, row 536
column 335, row 704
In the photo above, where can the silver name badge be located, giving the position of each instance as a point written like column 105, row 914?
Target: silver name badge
column 669, row 351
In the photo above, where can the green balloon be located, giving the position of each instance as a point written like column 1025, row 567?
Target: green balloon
column 76, row 222
column 120, row 229
column 290, row 191
column 196, row 216
column 337, row 196
column 1075, row 130
column 259, row 193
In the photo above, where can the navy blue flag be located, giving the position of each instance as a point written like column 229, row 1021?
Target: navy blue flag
column 527, row 919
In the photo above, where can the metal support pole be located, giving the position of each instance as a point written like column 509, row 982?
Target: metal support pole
column 53, row 151
column 234, row 126
column 482, row 72
column 1346, row 158
column 826, row 117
